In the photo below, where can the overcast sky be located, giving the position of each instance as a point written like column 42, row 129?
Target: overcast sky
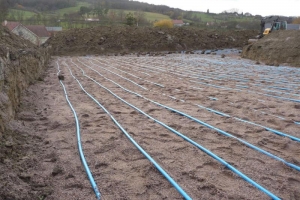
column 260, row 7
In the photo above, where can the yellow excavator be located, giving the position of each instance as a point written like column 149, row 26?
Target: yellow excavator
column 276, row 24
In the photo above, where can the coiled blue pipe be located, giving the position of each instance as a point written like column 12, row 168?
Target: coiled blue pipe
column 246, row 178
column 86, row 167
column 160, row 169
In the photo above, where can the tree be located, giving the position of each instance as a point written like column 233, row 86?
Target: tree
column 130, row 20
column 112, row 15
column 4, row 5
column 84, row 10
column 99, row 10
column 296, row 20
column 207, row 11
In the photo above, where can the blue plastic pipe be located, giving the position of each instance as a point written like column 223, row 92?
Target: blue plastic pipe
column 158, row 167
column 86, row 167
column 252, row 123
column 203, row 123
column 246, row 178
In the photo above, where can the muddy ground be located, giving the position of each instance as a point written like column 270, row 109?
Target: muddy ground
column 122, row 40
column 182, row 82
column 279, row 47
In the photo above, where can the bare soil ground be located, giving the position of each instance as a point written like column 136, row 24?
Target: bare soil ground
column 237, row 87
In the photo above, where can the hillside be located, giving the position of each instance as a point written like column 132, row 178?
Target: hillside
column 115, row 12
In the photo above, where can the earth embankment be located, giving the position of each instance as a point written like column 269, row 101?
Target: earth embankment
column 21, row 64
column 279, row 47
column 104, row 40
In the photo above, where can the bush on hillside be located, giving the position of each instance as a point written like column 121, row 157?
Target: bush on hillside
column 164, row 24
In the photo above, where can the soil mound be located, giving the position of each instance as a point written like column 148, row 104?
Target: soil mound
column 103, row 40
column 279, row 47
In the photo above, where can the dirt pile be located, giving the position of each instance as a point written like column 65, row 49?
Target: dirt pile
column 21, row 64
column 279, row 47
column 103, row 40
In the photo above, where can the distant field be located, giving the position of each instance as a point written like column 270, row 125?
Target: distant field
column 72, row 9
column 204, row 16
column 155, row 16
column 149, row 15
column 24, row 14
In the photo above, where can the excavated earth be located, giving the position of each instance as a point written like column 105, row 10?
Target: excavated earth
column 39, row 156
column 105, row 40
column 21, row 65
column 279, row 47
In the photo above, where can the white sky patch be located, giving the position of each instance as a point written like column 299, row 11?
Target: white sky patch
column 255, row 7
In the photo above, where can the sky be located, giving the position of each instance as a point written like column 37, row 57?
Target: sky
column 255, row 7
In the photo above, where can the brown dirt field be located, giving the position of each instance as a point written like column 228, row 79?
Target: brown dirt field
column 279, row 47
column 122, row 172
column 106, row 40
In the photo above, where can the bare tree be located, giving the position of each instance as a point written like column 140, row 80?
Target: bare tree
column 139, row 16
column 121, row 15
column 3, row 9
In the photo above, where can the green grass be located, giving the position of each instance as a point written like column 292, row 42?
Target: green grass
column 16, row 13
column 72, row 9
column 220, row 18
column 155, row 16
column 150, row 16
column 204, row 16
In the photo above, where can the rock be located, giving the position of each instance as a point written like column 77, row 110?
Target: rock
column 8, row 144
column 57, row 170
column 61, row 77
column 85, row 115
column 12, row 56
column 69, row 176
column 25, row 177
column 223, row 56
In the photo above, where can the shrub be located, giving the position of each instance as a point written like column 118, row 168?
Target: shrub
column 165, row 23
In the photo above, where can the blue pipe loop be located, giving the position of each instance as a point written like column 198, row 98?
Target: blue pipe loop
column 86, row 167
column 249, row 180
column 158, row 167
